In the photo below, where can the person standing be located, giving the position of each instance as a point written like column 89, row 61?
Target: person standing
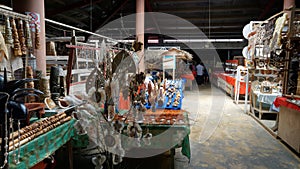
column 205, row 76
column 199, row 77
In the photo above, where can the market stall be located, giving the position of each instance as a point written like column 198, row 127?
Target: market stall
column 289, row 121
column 141, row 114
column 46, row 144
column 272, row 57
column 227, row 82
column 24, row 125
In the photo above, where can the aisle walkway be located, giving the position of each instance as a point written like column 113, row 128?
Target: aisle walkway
column 238, row 142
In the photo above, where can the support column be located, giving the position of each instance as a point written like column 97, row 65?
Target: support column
column 140, row 24
column 35, row 6
column 289, row 80
column 287, row 4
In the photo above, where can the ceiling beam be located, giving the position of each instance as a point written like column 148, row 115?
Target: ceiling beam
column 59, row 2
column 212, row 18
column 112, row 13
column 266, row 10
column 80, row 4
column 180, row 1
column 180, row 28
column 232, row 36
column 213, row 45
column 149, row 9
column 203, row 9
column 74, row 20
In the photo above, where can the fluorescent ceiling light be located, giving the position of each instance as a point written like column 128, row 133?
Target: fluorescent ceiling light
column 201, row 40
column 153, row 41
column 126, row 41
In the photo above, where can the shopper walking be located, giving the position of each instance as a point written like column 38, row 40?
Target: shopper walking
column 199, row 77
column 205, row 76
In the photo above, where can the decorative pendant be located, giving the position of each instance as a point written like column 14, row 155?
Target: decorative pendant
column 22, row 38
column 8, row 32
column 147, row 137
column 28, row 35
column 17, row 46
column 37, row 36
column 5, row 141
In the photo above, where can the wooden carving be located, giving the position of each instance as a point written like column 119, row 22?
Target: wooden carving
column 22, row 38
column 17, row 46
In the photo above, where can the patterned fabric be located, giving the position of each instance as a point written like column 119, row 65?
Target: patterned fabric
column 266, row 98
column 43, row 146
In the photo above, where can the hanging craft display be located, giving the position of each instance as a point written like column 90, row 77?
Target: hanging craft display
column 5, row 131
column 17, row 46
column 37, row 36
column 22, row 38
column 276, row 39
column 28, row 35
column 8, row 32
column 3, row 49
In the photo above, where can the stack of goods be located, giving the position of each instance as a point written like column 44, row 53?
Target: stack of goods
column 28, row 133
column 168, row 96
column 161, row 116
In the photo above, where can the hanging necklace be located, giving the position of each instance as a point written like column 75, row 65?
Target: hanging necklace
column 28, row 35
column 6, row 131
column 11, row 121
column 19, row 142
column 8, row 32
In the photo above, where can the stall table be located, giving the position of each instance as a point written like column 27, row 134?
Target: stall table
column 166, row 137
column 227, row 83
column 289, row 122
column 261, row 102
column 43, row 146
column 180, row 130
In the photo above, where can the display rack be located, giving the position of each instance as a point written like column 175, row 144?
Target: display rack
column 242, row 75
column 231, row 66
column 274, row 67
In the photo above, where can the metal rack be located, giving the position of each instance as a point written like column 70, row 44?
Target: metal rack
column 6, row 12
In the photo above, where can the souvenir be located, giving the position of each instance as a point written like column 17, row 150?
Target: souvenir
column 3, row 49
column 37, row 36
column 8, row 32
column 22, row 38
column 28, row 35
column 17, row 46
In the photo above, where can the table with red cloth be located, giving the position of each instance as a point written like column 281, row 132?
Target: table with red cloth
column 289, row 122
column 281, row 101
column 189, row 80
column 231, row 81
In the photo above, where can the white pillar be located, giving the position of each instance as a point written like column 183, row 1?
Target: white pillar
column 140, row 24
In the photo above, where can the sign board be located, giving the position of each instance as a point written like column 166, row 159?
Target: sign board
column 169, row 62
column 35, row 19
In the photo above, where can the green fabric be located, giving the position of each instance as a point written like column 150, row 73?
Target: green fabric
column 169, row 139
column 80, row 141
column 43, row 146
column 186, row 149
column 165, row 140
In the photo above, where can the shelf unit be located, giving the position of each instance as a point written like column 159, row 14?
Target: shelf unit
column 83, row 65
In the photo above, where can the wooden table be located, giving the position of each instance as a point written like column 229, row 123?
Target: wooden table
column 289, row 123
column 43, row 146
column 258, row 99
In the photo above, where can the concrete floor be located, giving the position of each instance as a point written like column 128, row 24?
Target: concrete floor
column 223, row 136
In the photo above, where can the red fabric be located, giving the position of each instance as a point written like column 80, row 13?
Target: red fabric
column 123, row 103
column 281, row 101
column 188, row 76
column 232, row 61
column 231, row 80
column 194, row 73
